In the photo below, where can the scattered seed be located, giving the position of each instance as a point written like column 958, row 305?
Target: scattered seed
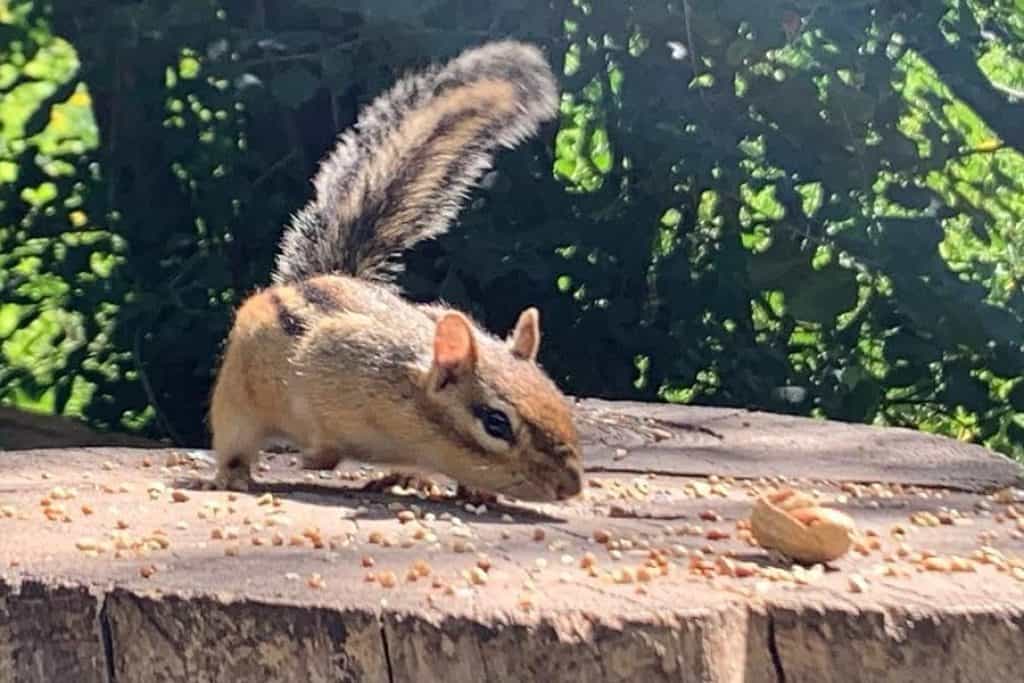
column 937, row 564
column 924, row 519
column 858, row 584
column 623, row 575
column 86, row 544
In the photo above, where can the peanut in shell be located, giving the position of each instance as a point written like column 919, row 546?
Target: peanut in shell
column 794, row 525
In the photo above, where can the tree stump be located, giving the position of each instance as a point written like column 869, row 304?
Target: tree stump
column 117, row 565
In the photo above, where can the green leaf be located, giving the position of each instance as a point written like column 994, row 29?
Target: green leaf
column 910, row 196
column 823, row 295
column 906, row 375
column 1007, row 360
column 739, row 50
column 1015, row 432
column 856, row 105
column 294, row 87
column 906, row 345
column 338, row 67
column 1016, row 397
column 862, row 402
column 963, row 389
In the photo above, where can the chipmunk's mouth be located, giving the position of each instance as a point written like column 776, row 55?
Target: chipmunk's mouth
column 555, row 486
column 531, row 493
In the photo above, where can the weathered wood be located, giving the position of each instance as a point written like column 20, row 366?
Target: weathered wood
column 178, row 638
column 214, row 606
column 20, row 430
column 624, row 436
column 50, row 632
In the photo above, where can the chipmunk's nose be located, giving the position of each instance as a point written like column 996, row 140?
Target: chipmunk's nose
column 570, row 485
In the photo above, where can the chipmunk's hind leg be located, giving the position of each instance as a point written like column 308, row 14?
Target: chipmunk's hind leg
column 237, row 445
column 321, row 458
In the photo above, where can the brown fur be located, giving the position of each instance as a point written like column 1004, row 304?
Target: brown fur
column 358, row 384
column 342, row 365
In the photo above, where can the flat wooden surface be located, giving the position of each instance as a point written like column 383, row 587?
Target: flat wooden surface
column 507, row 597
column 686, row 440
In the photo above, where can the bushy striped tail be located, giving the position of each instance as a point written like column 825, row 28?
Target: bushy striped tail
column 403, row 172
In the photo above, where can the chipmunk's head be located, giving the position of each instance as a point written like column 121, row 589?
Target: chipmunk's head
column 511, row 429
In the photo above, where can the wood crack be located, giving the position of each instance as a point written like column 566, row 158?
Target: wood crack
column 107, row 638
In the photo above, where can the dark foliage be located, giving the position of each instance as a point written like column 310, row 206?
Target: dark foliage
column 798, row 206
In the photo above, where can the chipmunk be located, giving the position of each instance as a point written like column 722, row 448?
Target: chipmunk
column 334, row 359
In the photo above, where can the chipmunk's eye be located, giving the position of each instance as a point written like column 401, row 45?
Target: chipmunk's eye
column 495, row 422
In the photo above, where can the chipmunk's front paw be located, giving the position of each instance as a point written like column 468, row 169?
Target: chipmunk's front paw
column 475, row 497
column 234, row 475
column 401, row 479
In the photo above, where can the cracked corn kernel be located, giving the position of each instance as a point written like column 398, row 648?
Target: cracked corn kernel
column 624, row 575
column 477, row 576
column 937, row 564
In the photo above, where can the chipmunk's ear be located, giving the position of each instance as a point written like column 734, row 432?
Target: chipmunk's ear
column 525, row 338
column 454, row 351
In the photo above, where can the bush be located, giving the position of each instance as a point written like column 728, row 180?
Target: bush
column 804, row 207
